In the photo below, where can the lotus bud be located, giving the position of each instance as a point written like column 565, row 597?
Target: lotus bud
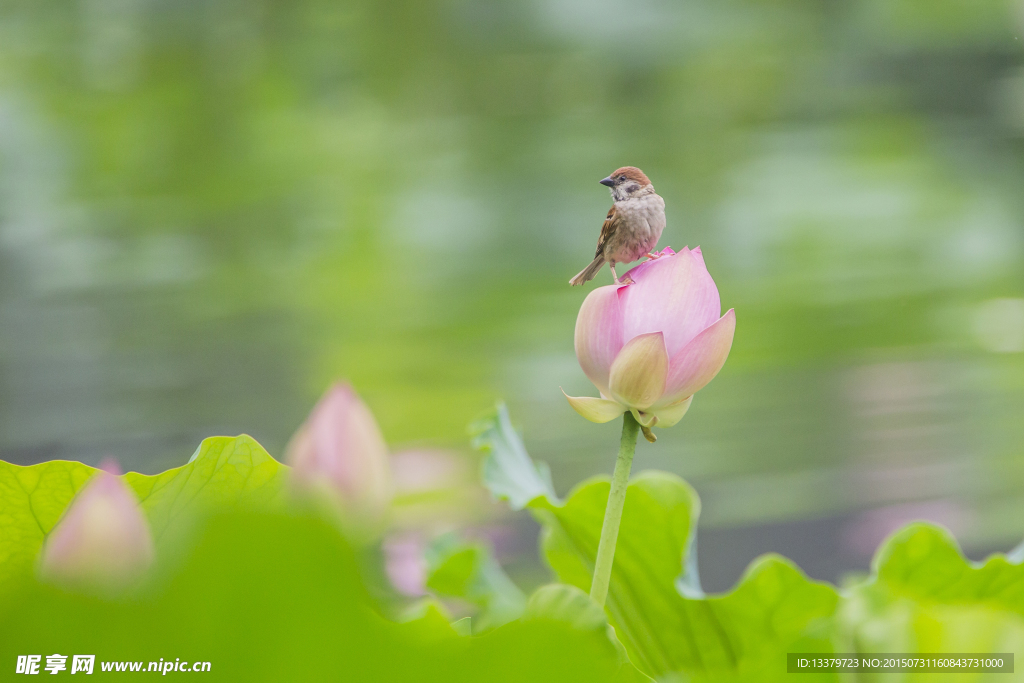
column 103, row 539
column 650, row 345
column 340, row 449
column 405, row 563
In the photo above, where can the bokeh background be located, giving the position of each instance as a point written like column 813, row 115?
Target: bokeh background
column 211, row 210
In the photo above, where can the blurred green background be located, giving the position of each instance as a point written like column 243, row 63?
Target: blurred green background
column 211, row 210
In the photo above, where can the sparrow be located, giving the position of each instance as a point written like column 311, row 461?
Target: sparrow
column 633, row 225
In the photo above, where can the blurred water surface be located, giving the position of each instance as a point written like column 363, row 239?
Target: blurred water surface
column 211, row 210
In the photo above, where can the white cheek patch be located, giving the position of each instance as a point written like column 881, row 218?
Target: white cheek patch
column 625, row 191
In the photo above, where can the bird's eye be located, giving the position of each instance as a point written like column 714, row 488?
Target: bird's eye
column 622, row 178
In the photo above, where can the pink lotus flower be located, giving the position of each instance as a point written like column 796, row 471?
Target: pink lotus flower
column 649, row 345
column 340, row 449
column 102, row 540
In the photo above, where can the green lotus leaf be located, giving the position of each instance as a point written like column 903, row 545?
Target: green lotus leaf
column 468, row 571
column 508, row 471
column 660, row 614
column 223, row 471
column 925, row 596
column 773, row 609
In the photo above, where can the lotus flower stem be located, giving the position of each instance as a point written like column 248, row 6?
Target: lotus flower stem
column 613, row 512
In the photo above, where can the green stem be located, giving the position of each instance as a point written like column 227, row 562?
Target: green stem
column 613, row 513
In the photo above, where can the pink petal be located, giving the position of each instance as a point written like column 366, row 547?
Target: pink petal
column 102, row 540
column 637, row 377
column 405, row 563
column 671, row 414
column 599, row 334
column 111, row 466
column 699, row 361
column 599, row 410
column 674, row 295
column 636, row 272
column 425, row 470
column 340, row 446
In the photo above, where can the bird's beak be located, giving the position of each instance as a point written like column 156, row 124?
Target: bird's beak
column 608, row 182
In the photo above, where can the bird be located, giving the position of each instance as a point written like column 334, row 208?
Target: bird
column 633, row 226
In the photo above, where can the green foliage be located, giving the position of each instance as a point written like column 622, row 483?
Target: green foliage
column 508, row 471
column 32, row 499
column 774, row 609
column 924, row 596
column 775, row 606
column 568, row 604
column 250, row 568
column 923, row 562
column 223, row 471
column 273, row 597
column 469, row 571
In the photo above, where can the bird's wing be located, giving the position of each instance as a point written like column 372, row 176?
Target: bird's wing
column 611, row 224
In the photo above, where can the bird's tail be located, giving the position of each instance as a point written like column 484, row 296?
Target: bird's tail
column 589, row 272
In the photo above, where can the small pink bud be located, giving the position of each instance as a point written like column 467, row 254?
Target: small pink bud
column 340, row 448
column 406, row 564
column 103, row 539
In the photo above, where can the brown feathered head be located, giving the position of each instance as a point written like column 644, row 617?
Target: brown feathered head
column 626, row 181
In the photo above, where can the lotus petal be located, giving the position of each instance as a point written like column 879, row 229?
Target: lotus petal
column 637, row 377
column 103, row 539
column 599, row 334
column 598, row 410
column 674, row 295
column 671, row 414
column 340, row 446
column 699, row 361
